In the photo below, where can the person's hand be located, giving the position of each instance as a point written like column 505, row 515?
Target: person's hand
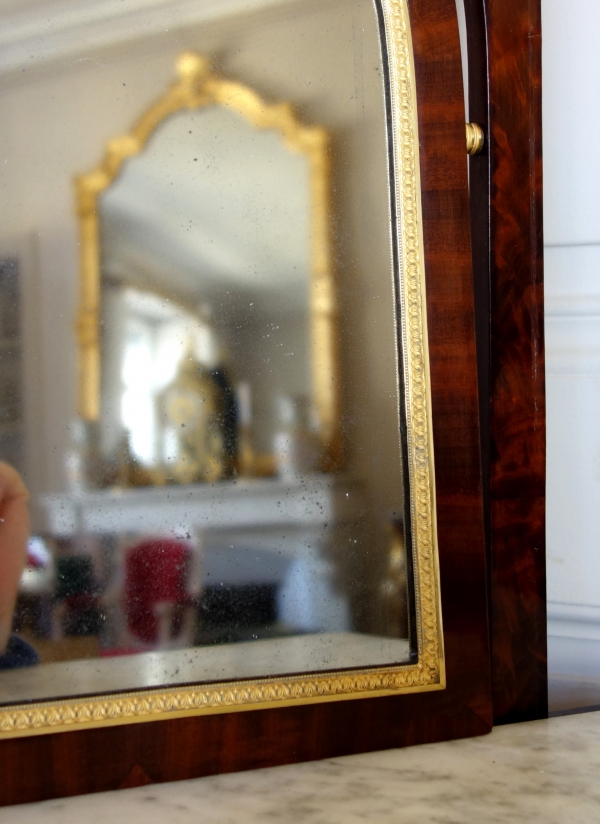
column 14, row 532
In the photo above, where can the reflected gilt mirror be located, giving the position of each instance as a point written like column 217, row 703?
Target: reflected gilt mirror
column 229, row 442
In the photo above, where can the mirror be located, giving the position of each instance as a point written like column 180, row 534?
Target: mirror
column 229, row 453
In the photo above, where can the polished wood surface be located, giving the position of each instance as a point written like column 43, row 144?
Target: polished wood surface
column 87, row 761
column 506, row 204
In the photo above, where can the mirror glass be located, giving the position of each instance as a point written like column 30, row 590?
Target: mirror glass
column 199, row 373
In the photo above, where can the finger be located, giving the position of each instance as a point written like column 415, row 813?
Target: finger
column 14, row 530
column 11, row 484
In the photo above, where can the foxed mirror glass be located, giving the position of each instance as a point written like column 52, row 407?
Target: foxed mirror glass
column 214, row 368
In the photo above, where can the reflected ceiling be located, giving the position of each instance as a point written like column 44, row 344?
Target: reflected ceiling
column 204, row 208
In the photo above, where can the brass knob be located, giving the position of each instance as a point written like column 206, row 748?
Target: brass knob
column 475, row 138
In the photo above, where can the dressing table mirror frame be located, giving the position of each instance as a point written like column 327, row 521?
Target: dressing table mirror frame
column 129, row 755
column 197, row 86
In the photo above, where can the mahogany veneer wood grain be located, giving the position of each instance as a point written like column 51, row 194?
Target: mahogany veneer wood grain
column 87, row 761
column 506, row 201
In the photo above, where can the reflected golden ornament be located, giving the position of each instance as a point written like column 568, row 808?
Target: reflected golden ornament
column 394, row 587
column 189, row 411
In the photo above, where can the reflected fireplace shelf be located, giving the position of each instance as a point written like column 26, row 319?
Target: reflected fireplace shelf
column 310, row 501
column 232, row 517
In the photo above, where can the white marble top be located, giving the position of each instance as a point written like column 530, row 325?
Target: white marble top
column 541, row 772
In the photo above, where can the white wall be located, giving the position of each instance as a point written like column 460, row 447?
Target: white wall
column 571, row 120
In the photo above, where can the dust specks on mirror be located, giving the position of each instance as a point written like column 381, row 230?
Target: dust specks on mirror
column 212, row 444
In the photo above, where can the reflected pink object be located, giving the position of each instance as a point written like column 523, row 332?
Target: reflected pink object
column 156, row 572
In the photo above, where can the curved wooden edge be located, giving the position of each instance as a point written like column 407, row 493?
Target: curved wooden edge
column 504, row 44
column 72, row 763
column 450, row 309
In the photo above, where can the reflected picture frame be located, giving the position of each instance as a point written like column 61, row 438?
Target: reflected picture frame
column 427, row 672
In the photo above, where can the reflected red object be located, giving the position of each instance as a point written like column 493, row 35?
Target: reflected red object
column 155, row 572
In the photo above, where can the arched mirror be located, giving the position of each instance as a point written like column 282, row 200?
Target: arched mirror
column 228, row 264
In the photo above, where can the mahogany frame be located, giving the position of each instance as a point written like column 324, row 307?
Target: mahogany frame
column 504, row 49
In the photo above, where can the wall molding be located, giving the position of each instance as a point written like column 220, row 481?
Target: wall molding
column 573, row 640
column 569, row 306
column 573, row 335
column 574, row 621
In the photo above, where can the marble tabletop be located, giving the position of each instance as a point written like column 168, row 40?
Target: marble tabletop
column 540, row 771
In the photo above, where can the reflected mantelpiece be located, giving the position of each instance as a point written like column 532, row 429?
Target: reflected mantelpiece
column 309, row 501
column 261, row 531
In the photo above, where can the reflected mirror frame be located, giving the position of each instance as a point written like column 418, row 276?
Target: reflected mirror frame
column 197, row 86
column 428, row 671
